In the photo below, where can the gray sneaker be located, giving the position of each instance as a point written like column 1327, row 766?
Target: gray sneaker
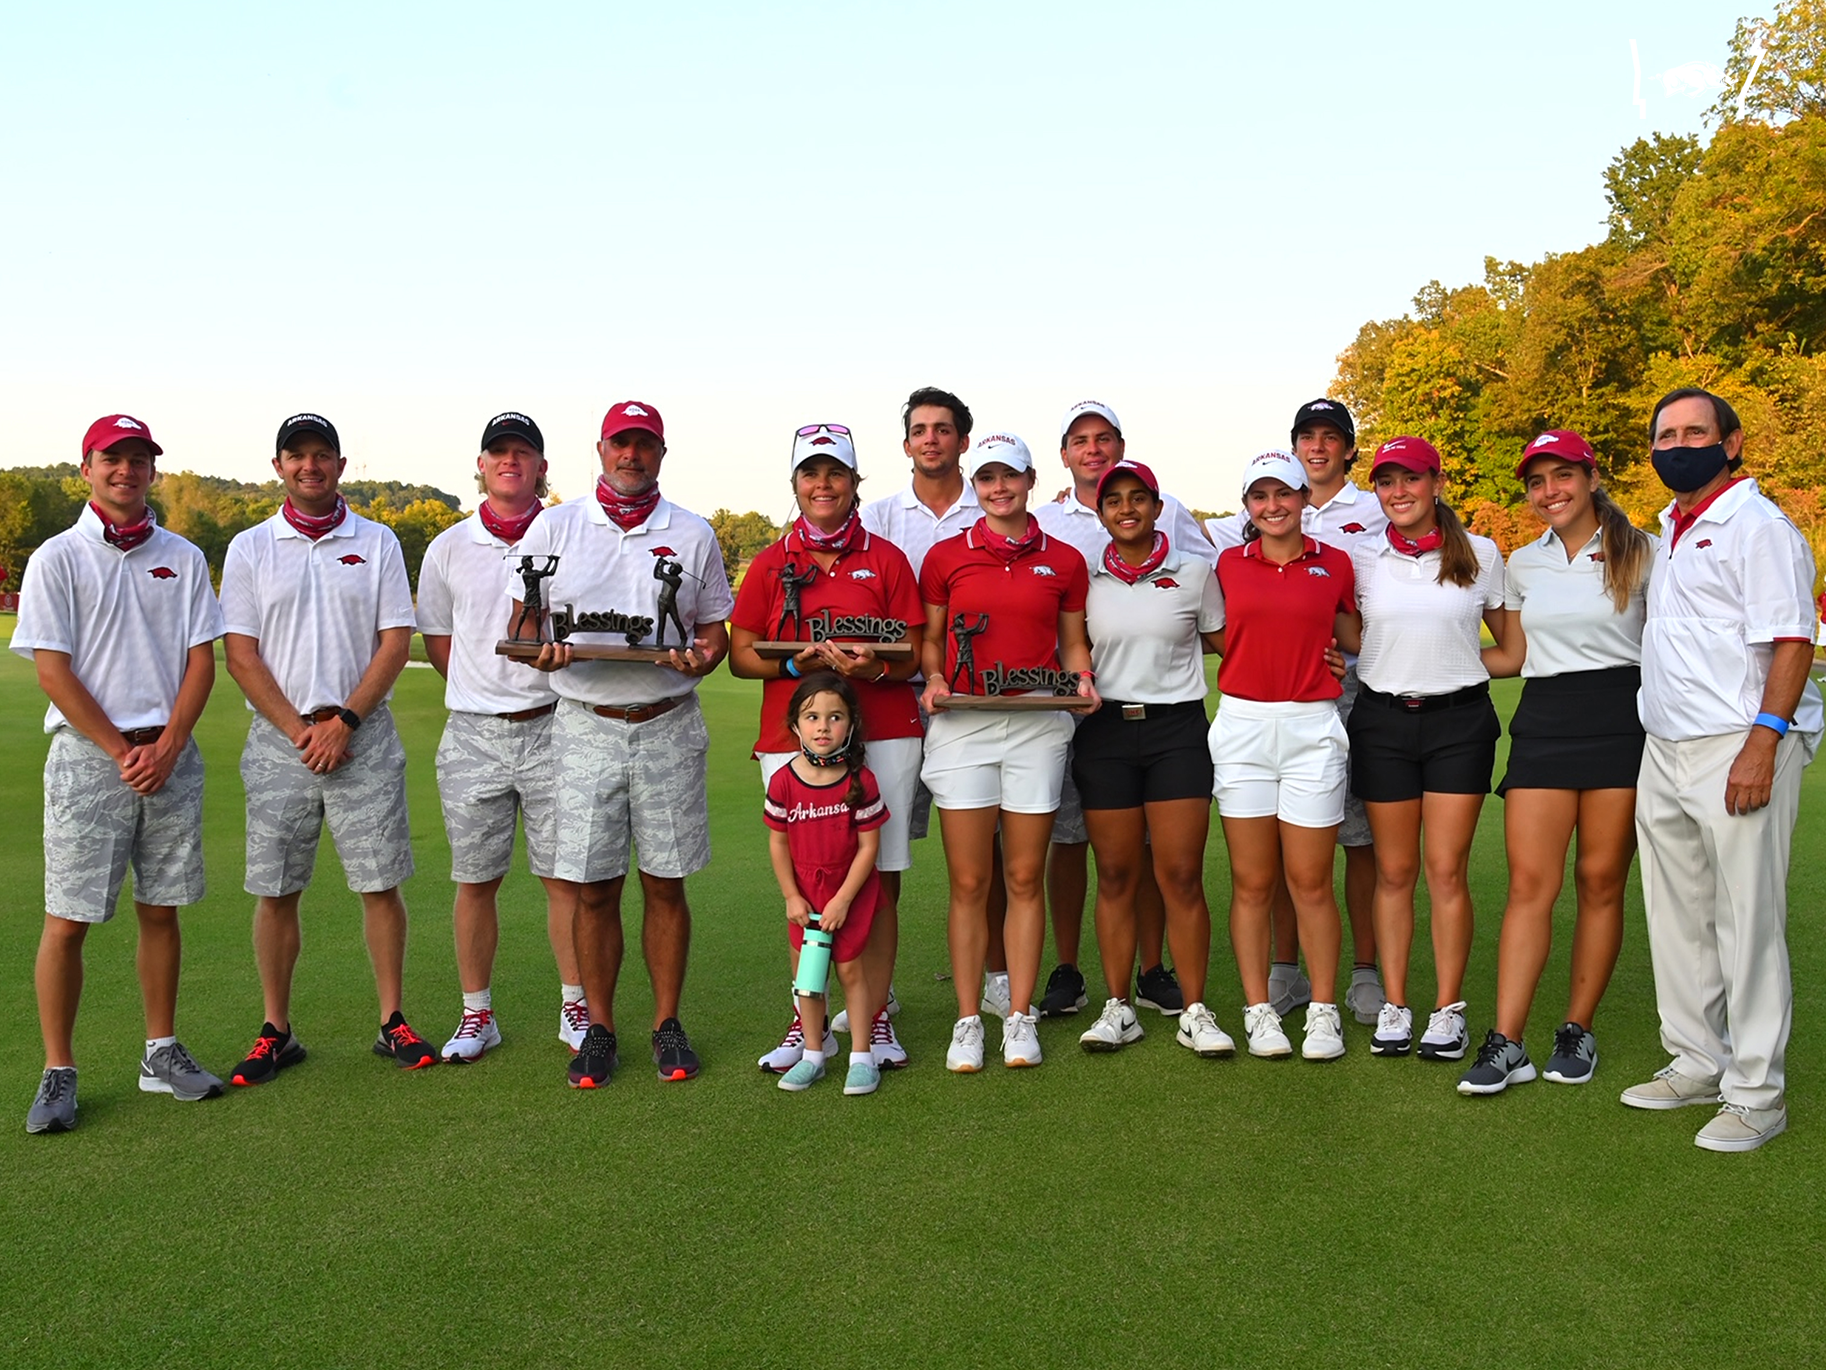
column 1575, row 1056
column 54, row 1110
column 1288, row 989
column 1500, row 1063
column 1365, row 998
column 174, row 1071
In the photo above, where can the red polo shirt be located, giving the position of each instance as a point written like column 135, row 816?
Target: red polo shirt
column 1278, row 621
column 873, row 580
column 1023, row 599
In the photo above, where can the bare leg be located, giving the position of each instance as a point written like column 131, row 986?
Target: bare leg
column 665, row 937
column 882, row 947
column 1255, row 871
column 1537, row 828
column 970, row 850
column 859, row 993
column 1607, row 841
column 1024, row 842
column 1116, row 834
column 596, row 935
column 1397, row 830
column 1286, row 925
column 1450, row 821
column 478, row 933
column 160, row 950
column 276, row 941
column 58, row 975
column 1179, row 828
column 384, row 921
column 1306, row 856
column 1067, row 880
column 995, row 913
column 1150, row 914
column 560, row 919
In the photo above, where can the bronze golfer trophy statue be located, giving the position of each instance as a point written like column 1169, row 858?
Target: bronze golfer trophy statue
column 634, row 628
column 885, row 637
column 997, row 686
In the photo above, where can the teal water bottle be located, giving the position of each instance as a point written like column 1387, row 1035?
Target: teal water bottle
column 814, row 962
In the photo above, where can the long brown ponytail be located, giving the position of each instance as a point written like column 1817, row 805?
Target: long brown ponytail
column 1627, row 550
column 1457, row 557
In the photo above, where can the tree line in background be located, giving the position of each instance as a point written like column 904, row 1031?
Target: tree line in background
column 1713, row 273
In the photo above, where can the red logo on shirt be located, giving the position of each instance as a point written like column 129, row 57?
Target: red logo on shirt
column 1166, row 583
column 1353, row 528
column 352, row 560
column 1597, row 556
column 1703, row 542
column 162, row 573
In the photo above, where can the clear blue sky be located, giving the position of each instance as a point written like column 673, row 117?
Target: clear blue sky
column 410, row 216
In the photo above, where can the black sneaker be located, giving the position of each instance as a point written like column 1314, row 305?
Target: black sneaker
column 398, row 1042
column 1158, row 989
column 1575, row 1055
column 1064, row 992
column 595, row 1061
column 672, row 1052
column 1500, row 1063
column 272, row 1052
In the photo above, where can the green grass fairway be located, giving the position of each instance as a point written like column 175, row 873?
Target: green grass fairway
column 1146, row 1208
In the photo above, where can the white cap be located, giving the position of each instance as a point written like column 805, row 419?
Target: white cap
column 1083, row 407
column 823, row 440
column 1277, row 465
column 1005, row 448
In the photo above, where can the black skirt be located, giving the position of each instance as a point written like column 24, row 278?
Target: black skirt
column 1578, row 731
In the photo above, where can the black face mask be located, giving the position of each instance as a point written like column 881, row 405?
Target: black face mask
column 1686, row 469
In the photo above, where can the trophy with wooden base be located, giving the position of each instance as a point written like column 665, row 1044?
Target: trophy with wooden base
column 1000, row 687
column 634, row 628
column 885, row 637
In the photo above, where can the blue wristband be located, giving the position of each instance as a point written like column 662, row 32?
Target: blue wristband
column 791, row 668
column 1775, row 724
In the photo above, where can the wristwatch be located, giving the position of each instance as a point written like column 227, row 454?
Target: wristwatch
column 350, row 718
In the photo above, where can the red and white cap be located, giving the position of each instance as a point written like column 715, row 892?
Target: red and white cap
column 1128, row 468
column 630, row 415
column 1005, row 448
column 1275, row 464
column 1410, row 454
column 105, row 432
column 824, row 440
column 1558, row 442
column 1083, row 407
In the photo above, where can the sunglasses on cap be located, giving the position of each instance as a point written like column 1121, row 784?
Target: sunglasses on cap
column 811, row 428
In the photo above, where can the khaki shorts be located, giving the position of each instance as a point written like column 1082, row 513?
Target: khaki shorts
column 489, row 771
column 95, row 826
column 364, row 801
column 625, row 787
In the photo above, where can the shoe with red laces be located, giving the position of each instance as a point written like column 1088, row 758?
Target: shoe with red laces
column 273, row 1050
column 476, row 1034
column 573, row 1022
column 884, row 1046
column 399, row 1042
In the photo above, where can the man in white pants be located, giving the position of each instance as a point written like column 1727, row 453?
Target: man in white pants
column 1732, row 719
column 495, row 760
column 1090, row 442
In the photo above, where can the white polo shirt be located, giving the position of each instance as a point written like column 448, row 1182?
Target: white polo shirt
column 1739, row 578
column 1569, row 618
column 1350, row 516
column 459, row 597
column 905, row 520
column 601, row 569
column 1078, row 524
column 1145, row 646
column 316, row 608
column 1420, row 637
column 127, row 620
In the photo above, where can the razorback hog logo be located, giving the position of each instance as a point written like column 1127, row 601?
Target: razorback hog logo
column 1167, row 583
column 1318, row 571
column 352, row 560
column 1043, row 571
column 864, row 574
column 162, row 573
column 1703, row 542
column 1597, row 556
column 1353, row 528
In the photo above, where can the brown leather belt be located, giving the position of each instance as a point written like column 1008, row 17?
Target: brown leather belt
column 526, row 715
column 141, row 737
column 640, row 713
column 320, row 715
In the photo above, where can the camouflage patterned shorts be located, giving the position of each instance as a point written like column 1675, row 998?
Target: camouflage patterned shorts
column 364, row 800
column 1354, row 830
column 643, row 784
column 490, row 770
column 94, row 827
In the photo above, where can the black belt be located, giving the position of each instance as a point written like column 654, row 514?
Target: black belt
column 142, row 737
column 1426, row 704
column 1132, row 713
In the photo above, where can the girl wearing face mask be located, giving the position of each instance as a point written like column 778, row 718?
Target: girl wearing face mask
column 1423, row 731
column 1576, row 600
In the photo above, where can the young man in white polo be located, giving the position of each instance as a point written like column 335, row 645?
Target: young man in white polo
column 118, row 616
column 1090, row 442
column 628, row 738
column 1732, row 718
column 495, row 761
column 1343, row 514
column 319, row 617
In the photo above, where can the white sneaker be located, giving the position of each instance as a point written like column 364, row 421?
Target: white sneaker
column 792, row 1048
column 476, row 1034
column 1365, row 998
column 1199, row 1032
column 966, row 1053
column 996, row 996
column 1324, row 1033
column 1262, row 1025
column 1737, row 1128
column 1288, row 990
column 1394, row 1031
column 1020, row 1040
column 1445, row 1038
column 841, row 1023
column 893, row 1003
column 1114, row 1029
column 573, row 1022
column 884, row 1046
